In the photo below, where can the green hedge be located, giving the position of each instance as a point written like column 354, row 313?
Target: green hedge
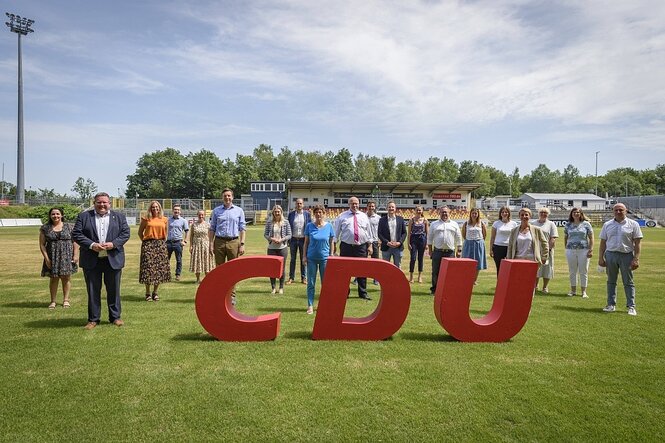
column 41, row 212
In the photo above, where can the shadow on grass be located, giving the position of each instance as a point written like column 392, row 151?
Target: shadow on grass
column 26, row 304
column 56, row 323
column 194, row 336
column 278, row 309
column 426, row 336
column 581, row 309
column 298, row 335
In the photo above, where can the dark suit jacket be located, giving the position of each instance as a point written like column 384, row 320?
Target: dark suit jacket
column 292, row 216
column 384, row 232
column 85, row 234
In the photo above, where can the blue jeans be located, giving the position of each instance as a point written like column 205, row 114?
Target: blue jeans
column 175, row 246
column 619, row 261
column 312, row 266
column 395, row 253
column 296, row 245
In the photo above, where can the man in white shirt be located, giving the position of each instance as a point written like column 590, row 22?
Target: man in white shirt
column 444, row 239
column 620, row 250
column 353, row 230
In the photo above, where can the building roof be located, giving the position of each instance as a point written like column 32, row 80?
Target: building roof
column 391, row 187
column 537, row 196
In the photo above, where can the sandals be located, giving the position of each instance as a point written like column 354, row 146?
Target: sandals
column 52, row 305
column 148, row 297
column 155, row 297
column 65, row 304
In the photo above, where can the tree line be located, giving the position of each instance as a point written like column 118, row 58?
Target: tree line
column 168, row 173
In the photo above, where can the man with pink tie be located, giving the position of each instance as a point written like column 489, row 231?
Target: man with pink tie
column 352, row 229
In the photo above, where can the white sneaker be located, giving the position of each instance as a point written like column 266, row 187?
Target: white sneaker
column 281, row 291
column 609, row 308
column 310, row 309
column 632, row 311
column 273, row 291
column 584, row 295
column 571, row 294
column 545, row 291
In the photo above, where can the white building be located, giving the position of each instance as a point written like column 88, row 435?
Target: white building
column 563, row 201
column 405, row 195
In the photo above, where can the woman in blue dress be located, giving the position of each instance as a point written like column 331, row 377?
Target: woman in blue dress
column 319, row 241
column 474, row 233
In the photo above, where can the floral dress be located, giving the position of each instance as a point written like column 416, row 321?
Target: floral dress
column 201, row 260
column 60, row 251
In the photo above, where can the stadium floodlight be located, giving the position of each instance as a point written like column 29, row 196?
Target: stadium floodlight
column 21, row 26
column 597, row 173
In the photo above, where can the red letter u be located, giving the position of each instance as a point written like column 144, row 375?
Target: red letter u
column 510, row 310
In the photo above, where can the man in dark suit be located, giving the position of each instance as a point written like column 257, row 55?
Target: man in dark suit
column 101, row 235
column 392, row 234
column 298, row 219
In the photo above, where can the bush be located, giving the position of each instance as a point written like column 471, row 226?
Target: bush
column 41, row 212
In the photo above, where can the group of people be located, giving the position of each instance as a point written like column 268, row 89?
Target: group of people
column 95, row 242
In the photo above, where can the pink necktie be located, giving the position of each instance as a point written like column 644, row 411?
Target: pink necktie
column 356, row 236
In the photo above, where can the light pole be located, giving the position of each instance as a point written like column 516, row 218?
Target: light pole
column 21, row 26
column 597, row 173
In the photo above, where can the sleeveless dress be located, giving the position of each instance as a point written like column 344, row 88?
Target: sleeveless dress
column 201, row 260
column 60, row 251
column 474, row 246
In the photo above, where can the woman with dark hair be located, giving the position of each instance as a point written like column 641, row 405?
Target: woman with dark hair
column 474, row 233
column 319, row 244
column 500, row 234
column 278, row 234
column 418, row 228
column 578, row 235
column 155, row 267
column 60, row 254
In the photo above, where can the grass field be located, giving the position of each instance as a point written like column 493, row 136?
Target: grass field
column 573, row 373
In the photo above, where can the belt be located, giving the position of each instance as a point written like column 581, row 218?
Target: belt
column 443, row 250
column 173, row 241
column 227, row 238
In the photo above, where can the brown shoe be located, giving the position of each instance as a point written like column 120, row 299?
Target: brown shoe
column 304, row 281
column 90, row 325
column 290, row 281
column 118, row 322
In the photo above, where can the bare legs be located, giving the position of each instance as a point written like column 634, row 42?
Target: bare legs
column 53, row 289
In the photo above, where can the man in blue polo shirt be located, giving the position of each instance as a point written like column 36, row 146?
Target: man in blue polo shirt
column 227, row 231
column 177, row 236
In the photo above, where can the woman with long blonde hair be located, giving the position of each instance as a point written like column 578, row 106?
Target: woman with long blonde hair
column 278, row 234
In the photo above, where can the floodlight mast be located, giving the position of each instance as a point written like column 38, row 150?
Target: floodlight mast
column 21, row 26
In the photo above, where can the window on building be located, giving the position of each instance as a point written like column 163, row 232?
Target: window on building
column 585, row 203
column 570, row 203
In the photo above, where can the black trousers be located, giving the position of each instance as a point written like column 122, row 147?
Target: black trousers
column 437, row 255
column 347, row 250
column 499, row 253
column 103, row 273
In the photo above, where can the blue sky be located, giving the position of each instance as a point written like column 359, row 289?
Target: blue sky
column 506, row 83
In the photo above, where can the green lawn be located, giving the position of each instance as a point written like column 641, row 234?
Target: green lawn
column 573, row 373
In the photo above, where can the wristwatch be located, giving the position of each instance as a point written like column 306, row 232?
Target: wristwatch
column 242, row 243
